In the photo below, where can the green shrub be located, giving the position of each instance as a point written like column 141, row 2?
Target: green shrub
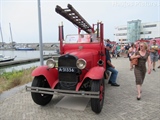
column 9, row 80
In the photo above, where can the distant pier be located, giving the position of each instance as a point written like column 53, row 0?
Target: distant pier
column 16, row 62
column 46, row 46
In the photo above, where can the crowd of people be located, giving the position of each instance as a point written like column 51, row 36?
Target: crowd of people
column 127, row 51
column 144, row 52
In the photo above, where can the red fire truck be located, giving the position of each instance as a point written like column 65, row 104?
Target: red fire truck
column 81, row 65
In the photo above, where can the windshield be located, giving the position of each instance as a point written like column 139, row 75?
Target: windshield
column 79, row 38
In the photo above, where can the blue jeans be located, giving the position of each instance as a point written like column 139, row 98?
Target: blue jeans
column 114, row 74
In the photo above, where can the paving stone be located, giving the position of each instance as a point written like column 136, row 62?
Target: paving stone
column 120, row 102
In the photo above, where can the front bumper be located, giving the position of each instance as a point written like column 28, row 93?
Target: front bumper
column 87, row 94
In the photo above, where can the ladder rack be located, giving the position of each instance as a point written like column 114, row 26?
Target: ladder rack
column 73, row 16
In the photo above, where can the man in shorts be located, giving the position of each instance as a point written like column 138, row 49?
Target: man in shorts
column 154, row 53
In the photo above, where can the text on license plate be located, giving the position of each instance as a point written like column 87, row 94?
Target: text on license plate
column 66, row 69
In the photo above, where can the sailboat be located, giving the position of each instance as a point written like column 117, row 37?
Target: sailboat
column 23, row 48
column 2, row 44
column 6, row 58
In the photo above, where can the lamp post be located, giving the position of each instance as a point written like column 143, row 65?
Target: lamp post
column 40, row 33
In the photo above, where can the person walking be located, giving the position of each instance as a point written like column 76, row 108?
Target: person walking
column 110, row 67
column 140, row 68
column 159, row 56
column 131, row 51
column 154, row 54
column 126, row 50
column 116, row 49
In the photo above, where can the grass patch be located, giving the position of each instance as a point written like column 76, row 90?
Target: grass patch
column 12, row 79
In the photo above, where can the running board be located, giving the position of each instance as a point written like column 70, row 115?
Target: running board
column 86, row 94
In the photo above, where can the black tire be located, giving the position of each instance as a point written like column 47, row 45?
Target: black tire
column 97, row 103
column 38, row 98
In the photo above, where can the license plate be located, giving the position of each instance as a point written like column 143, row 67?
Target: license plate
column 67, row 69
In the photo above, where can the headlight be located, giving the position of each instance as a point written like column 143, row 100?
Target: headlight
column 81, row 63
column 51, row 63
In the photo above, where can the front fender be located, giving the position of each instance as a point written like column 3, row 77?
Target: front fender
column 95, row 73
column 50, row 74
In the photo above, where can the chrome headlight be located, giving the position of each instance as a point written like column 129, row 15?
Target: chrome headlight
column 81, row 63
column 51, row 63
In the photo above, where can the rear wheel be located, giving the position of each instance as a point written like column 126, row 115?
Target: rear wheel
column 39, row 98
column 97, row 103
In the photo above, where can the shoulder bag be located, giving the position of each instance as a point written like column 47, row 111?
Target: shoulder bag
column 134, row 61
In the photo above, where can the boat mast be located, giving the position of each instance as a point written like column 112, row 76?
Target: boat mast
column 11, row 34
column 1, row 35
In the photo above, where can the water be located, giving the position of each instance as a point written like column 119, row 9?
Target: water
column 21, row 55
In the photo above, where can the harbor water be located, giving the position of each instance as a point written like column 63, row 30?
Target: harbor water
column 22, row 55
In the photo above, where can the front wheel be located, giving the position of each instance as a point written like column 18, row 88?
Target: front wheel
column 39, row 98
column 97, row 103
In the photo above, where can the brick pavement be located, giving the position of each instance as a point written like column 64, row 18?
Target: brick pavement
column 120, row 102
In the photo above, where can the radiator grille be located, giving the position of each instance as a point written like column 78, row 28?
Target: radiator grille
column 68, row 80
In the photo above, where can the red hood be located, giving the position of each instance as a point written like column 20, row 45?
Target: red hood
column 90, row 55
column 83, row 53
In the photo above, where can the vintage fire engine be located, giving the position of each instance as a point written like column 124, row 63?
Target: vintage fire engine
column 81, row 65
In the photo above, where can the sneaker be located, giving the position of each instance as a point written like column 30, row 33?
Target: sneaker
column 115, row 84
column 109, row 82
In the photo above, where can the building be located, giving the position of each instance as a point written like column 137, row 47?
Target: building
column 136, row 30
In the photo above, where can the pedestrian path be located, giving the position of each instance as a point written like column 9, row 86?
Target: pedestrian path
column 120, row 102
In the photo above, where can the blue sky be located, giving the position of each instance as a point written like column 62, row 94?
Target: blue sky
column 23, row 17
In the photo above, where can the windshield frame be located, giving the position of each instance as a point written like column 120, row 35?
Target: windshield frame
column 79, row 38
